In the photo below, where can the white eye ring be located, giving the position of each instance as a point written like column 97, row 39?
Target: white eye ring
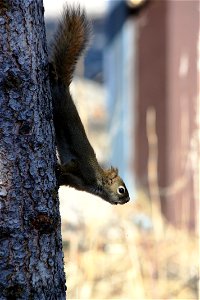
column 121, row 190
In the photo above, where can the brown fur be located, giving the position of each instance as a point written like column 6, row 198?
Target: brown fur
column 79, row 166
column 71, row 39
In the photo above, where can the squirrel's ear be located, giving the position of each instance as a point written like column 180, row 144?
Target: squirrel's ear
column 114, row 170
column 112, row 173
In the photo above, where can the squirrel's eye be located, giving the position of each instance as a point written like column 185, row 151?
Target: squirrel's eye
column 121, row 190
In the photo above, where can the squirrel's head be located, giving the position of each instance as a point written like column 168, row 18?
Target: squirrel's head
column 114, row 190
column 109, row 186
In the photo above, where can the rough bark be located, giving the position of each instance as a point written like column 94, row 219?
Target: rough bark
column 31, row 258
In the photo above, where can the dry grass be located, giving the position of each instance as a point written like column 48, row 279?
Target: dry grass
column 130, row 251
column 122, row 257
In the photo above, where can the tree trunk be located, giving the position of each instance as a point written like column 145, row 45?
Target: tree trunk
column 31, row 258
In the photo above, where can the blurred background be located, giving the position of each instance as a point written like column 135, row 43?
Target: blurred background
column 137, row 91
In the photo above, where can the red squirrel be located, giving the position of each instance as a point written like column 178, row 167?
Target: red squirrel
column 79, row 167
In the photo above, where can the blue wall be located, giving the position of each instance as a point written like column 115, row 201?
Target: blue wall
column 119, row 77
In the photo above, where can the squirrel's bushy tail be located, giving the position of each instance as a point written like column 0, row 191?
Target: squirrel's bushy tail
column 70, row 40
